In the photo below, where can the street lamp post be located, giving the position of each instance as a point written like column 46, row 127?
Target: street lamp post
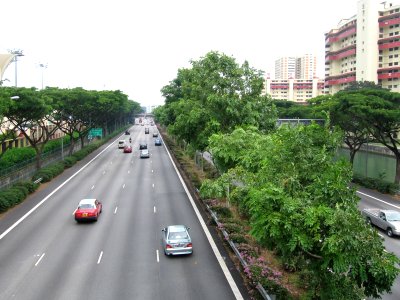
column 43, row 66
column 16, row 52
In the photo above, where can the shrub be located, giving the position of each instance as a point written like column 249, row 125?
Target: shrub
column 237, row 238
column 16, row 156
column 376, row 184
column 29, row 185
column 233, row 228
column 17, row 194
column 4, row 204
column 49, row 172
column 69, row 161
column 222, row 211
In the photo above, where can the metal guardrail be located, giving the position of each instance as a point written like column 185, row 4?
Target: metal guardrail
column 259, row 287
column 39, row 180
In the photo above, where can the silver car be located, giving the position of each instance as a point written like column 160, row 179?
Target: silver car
column 144, row 153
column 176, row 240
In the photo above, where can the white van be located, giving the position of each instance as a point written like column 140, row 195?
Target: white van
column 121, row 144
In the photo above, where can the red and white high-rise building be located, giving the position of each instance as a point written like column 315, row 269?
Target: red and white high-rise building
column 365, row 47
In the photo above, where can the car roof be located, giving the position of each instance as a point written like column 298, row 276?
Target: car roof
column 87, row 201
column 176, row 228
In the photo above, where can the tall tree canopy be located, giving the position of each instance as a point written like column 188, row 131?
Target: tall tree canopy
column 215, row 95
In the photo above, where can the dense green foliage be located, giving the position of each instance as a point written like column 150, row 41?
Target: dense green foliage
column 15, row 194
column 215, row 95
column 73, row 111
column 16, row 157
column 299, row 204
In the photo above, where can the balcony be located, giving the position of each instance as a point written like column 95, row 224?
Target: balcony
column 391, row 72
column 340, row 79
column 342, row 53
column 337, row 36
column 389, row 45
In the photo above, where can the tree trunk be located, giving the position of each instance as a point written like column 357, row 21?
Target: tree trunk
column 397, row 177
column 72, row 145
column 82, row 141
column 38, row 158
column 352, row 154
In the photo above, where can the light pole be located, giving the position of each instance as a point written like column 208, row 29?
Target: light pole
column 16, row 52
column 43, row 66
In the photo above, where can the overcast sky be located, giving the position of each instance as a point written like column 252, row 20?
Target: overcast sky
column 138, row 46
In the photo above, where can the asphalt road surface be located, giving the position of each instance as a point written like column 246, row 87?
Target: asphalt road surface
column 371, row 199
column 47, row 255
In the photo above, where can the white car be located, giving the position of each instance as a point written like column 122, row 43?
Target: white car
column 121, row 144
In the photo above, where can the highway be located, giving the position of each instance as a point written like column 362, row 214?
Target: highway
column 371, row 199
column 47, row 255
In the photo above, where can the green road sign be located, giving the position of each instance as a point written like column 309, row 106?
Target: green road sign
column 96, row 132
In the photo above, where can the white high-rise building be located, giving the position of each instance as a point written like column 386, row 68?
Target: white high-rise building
column 303, row 67
column 365, row 47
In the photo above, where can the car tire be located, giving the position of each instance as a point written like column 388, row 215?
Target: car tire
column 389, row 232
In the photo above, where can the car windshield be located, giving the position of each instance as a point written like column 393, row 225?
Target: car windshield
column 393, row 216
column 177, row 235
column 86, row 206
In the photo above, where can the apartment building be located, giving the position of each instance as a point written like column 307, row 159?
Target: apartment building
column 295, row 79
column 297, row 90
column 365, row 47
column 302, row 67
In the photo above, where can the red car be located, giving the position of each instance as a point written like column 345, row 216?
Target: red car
column 127, row 149
column 88, row 209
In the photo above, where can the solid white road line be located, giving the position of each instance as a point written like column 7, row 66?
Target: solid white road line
column 158, row 256
column 398, row 207
column 214, row 247
column 40, row 258
column 52, row 193
column 115, row 211
column 155, row 210
column 101, row 255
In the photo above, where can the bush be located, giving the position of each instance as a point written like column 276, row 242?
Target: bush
column 18, row 194
column 70, row 161
column 49, row 172
column 237, row 238
column 376, row 184
column 232, row 228
column 222, row 211
column 4, row 204
column 29, row 185
column 16, row 156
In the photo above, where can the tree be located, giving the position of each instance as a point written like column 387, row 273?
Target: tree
column 33, row 115
column 215, row 95
column 379, row 111
column 299, row 204
column 8, row 133
column 359, row 85
column 342, row 113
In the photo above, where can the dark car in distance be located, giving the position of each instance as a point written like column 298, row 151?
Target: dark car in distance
column 146, row 130
column 157, row 142
column 142, row 146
